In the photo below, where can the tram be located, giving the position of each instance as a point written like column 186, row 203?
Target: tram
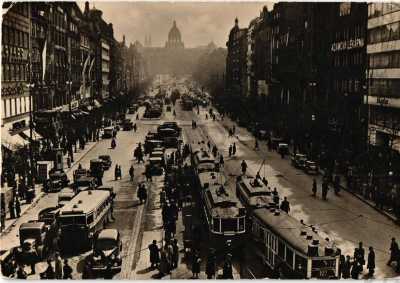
column 225, row 215
column 292, row 248
column 83, row 216
column 253, row 193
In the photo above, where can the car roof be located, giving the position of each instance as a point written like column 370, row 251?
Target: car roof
column 108, row 234
column 32, row 225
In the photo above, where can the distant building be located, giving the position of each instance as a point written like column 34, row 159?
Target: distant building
column 174, row 38
column 173, row 58
column 383, row 75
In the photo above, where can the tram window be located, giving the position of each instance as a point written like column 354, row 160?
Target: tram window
column 281, row 249
column 261, row 233
column 242, row 223
column 216, row 222
column 80, row 219
column 301, row 264
column 289, row 256
column 90, row 218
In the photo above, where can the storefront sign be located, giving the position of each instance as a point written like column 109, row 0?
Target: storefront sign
column 382, row 101
column 347, row 45
column 14, row 53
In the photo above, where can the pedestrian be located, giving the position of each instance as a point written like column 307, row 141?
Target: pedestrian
column 58, row 266
column 359, row 255
column 256, row 145
column 285, row 206
column 132, row 172
column 211, row 266
column 68, row 162
column 116, row 172
column 209, row 145
column 17, row 207
column 141, row 193
column 314, row 188
column 324, row 190
column 120, row 172
column 113, row 143
column 154, row 254
column 21, row 274
column 215, row 150
column 355, row 270
column 134, row 128
column 234, row 149
column 394, row 252
column 221, row 160
column 196, row 265
column 175, row 253
column 3, row 218
column 371, row 262
column 49, row 272
column 148, row 175
column 227, row 269
column 11, row 208
column 230, row 150
column 346, row 268
column 244, row 167
column 67, row 270
column 137, row 116
column 275, row 197
column 162, row 197
column 164, row 265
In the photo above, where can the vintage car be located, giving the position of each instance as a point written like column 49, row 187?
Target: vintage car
column 85, row 182
column 57, row 180
column 283, row 148
column 127, row 125
column 167, row 133
column 171, row 142
column 65, row 195
column 108, row 132
column 171, row 125
column 49, row 217
column 96, row 167
column 311, row 167
column 107, row 249
column 106, row 161
column 149, row 145
column 80, row 172
column 32, row 236
column 298, row 160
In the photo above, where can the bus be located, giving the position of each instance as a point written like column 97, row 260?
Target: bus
column 83, row 216
column 291, row 248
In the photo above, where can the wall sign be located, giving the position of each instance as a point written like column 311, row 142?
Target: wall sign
column 347, row 45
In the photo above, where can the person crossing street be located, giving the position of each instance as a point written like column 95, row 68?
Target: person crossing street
column 132, row 172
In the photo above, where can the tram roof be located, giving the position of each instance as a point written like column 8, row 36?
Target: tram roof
column 85, row 201
column 253, row 187
column 289, row 229
column 211, row 178
column 223, row 203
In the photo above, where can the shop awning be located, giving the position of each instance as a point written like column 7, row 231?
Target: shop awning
column 35, row 135
column 10, row 141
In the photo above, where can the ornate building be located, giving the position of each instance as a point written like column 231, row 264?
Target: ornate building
column 174, row 38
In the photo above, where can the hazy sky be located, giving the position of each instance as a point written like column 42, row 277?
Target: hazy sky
column 199, row 22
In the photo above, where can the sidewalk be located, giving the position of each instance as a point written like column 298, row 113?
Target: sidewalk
column 9, row 223
column 244, row 133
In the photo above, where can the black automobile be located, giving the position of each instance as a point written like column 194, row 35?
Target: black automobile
column 311, row 167
column 57, row 180
column 298, row 160
column 106, row 159
column 127, row 125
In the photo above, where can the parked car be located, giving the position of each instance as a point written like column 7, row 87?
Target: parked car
column 57, row 180
column 108, row 132
column 106, row 161
column 283, row 148
column 85, row 182
column 311, row 167
column 127, row 125
column 298, row 160
column 107, row 249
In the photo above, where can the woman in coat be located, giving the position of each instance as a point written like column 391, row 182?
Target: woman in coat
column 164, row 265
column 196, row 265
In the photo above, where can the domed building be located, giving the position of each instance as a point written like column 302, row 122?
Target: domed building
column 174, row 38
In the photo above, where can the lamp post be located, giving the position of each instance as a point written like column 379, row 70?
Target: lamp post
column 31, row 177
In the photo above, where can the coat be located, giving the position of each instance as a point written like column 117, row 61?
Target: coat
column 164, row 265
column 196, row 264
column 371, row 260
column 154, row 253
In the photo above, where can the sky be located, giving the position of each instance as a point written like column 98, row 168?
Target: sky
column 199, row 22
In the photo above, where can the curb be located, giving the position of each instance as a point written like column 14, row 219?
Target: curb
column 42, row 194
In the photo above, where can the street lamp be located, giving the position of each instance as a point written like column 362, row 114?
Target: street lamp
column 69, row 85
column 30, row 87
